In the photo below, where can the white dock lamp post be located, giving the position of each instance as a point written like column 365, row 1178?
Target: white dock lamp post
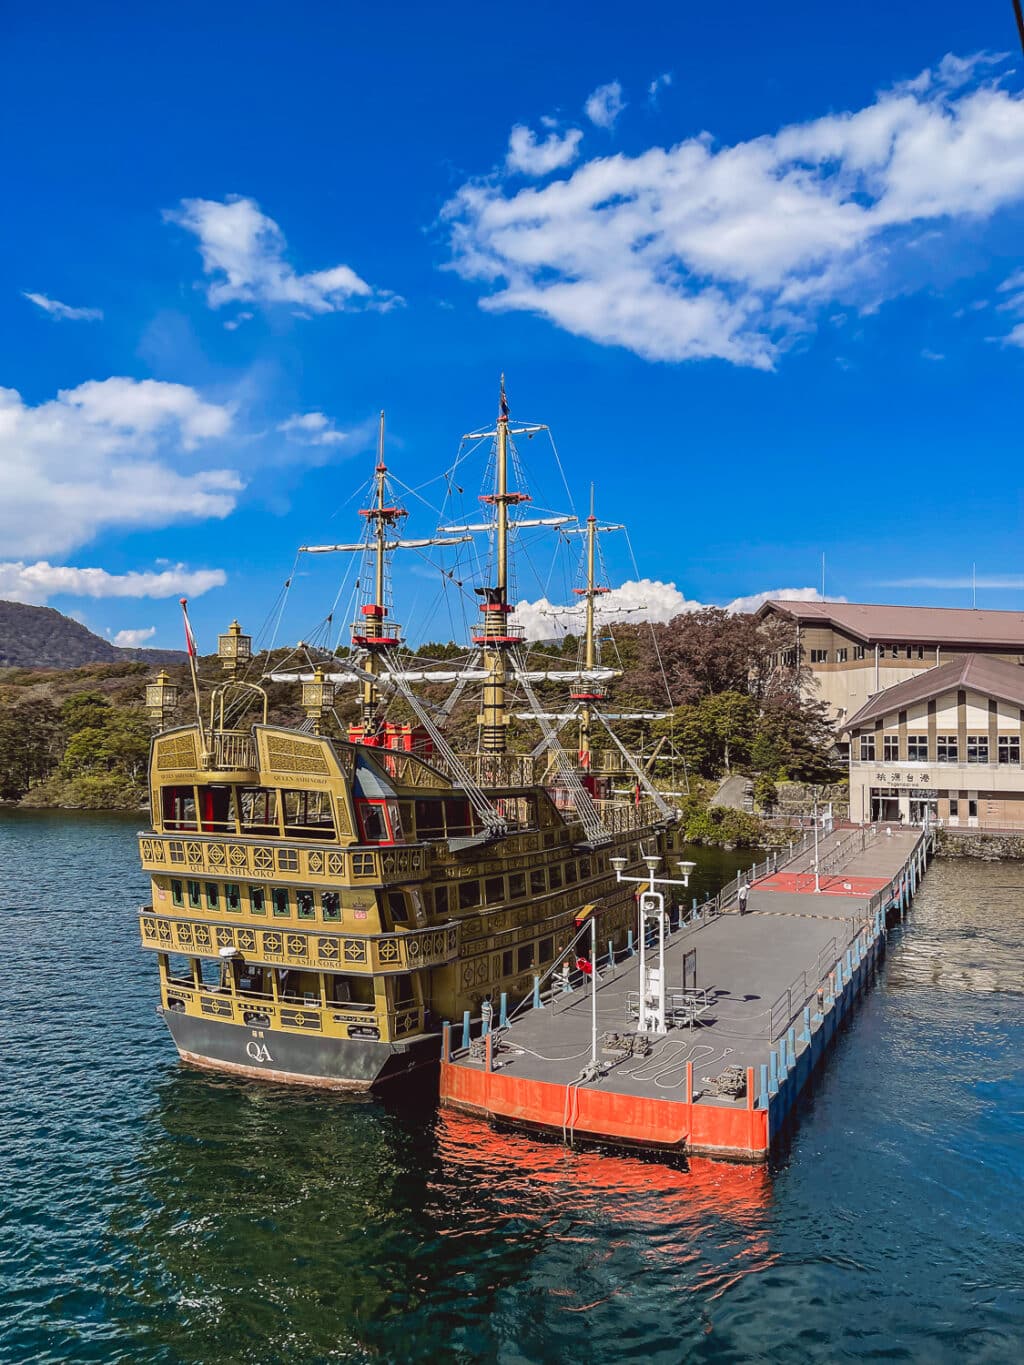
column 652, row 906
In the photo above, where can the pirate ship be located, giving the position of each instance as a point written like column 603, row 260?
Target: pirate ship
column 325, row 895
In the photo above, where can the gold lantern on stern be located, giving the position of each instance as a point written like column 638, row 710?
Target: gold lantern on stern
column 234, row 648
column 161, row 698
column 317, row 698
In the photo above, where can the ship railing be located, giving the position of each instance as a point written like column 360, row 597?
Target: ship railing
column 233, row 750
column 304, row 1012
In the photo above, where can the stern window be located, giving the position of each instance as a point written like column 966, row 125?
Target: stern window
column 331, row 902
column 279, row 898
column 195, row 895
column 257, row 900
column 304, row 901
column 177, row 892
column 397, row 906
column 373, row 822
column 211, row 895
column 233, row 896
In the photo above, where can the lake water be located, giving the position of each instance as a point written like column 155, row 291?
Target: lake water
column 154, row 1214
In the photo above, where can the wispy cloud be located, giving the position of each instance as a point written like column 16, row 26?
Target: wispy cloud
column 312, row 428
column 700, row 250
column 243, row 253
column 64, row 311
column 604, row 106
column 1012, row 580
column 530, row 157
column 657, row 85
column 37, row 583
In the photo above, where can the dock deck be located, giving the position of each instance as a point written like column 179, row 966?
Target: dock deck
column 777, row 981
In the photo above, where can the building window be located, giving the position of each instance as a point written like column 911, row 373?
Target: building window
column 841, row 655
column 910, row 651
column 858, row 651
column 920, row 651
column 947, row 749
column 1009, row 749
column 972, row 810
column 954, row 808
column 867, row 748
column 819, row 656
column 917, row 748
column 977, row 748
column 891, row 748
column 894, row 650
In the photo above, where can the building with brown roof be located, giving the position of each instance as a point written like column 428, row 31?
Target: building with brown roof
column 944, row 745
column 854, row 650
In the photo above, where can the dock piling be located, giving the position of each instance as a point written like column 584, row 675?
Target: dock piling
column 538, row 1004
column 503, row 1010
column 465, row 1030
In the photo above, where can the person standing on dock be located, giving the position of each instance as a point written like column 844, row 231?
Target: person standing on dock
column 744, row 892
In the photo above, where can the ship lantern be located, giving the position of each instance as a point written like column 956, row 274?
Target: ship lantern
column 234, row 648
column 317, row 696
column 161, row 697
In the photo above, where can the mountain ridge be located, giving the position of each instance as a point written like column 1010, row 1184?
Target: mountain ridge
column 43, row 637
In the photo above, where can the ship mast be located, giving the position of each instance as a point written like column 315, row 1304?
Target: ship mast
column 589, row 694
column 370, row 694
column 496, row 635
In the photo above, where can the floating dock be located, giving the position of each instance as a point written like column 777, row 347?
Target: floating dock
column 755, row 1001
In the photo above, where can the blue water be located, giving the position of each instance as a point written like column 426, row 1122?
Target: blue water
column 153, row 1214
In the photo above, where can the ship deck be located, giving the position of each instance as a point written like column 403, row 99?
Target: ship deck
column 781, row 968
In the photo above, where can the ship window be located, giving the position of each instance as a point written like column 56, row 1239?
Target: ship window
column 211, row 895
column 429, row 819
column 179, row 808
column 524, row 958
column 494, row 889
column 457, row 817
column 279, row 900
column 195, row 896
column 440, row 900
column 287, row 860
column 331, row 902
column 469, row 895
column 538, row 882
column 308, row 814
column 304, row 902
column 177, row 892
column 397, row 906
column 233, row 896
column 363, row 865
column 570, row 873
column 257, row 900
column 373, row 821
column 506, row 962
column 215, row 810
column 354, row 991
column 547, row 949
column 549, row 841
column 584, row 869
column 179, row 971
column 517, row 885
column 555, row 876
column 395, row 819
column 258, row 810
column 403, row 989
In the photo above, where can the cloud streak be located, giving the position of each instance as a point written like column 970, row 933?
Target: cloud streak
column 38, row 582
column 701, row 250
column 531, row 157
column 63, row 311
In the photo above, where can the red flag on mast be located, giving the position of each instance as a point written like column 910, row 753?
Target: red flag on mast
column 190, row 639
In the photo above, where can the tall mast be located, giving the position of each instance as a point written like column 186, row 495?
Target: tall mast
column 496, row 635
column 589, row 692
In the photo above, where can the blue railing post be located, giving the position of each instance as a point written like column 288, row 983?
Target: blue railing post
column 629, row 943
column 807, row 1025
column 839, row 978
column 791, row 1043
column 537, row 1004
column 773, row 1069
column 465, row 1029
column 503, row 1011
column 611, row 953
column 763, row 1097
column 783, row 1068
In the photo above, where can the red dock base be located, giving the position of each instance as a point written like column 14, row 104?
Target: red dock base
column 725, row 1131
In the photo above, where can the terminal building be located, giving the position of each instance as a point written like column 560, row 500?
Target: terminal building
column 944, row 745
column 854, row 650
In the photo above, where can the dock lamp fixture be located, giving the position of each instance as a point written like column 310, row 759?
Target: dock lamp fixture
column 161, row 698
column 651, row 1015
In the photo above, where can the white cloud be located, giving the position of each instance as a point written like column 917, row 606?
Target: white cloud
column 643, row 599
column 232, row 324
column 926, row 354
column 110, row 453
column 1006, row 580
column 605, row 105
column 659, row 83
column 1016, row 337
column 243, row 252
column 312, row 428
column 530, row 157
column 64, row 311
column 21, row 582
column 699, row 250
column 134, row 639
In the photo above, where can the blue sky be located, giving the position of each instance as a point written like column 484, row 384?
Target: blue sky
column 759, row 268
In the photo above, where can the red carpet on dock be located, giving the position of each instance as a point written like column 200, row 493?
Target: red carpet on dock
column 832, row 885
